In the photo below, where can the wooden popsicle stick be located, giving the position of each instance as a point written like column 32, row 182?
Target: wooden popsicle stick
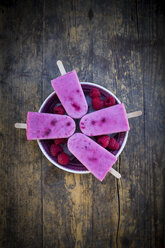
column 134, row 114
column 61, row 67
column 20, row 125
column 115, row 173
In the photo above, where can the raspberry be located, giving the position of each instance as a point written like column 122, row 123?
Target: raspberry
column 59, row 141
column 63, row 158
column 113, row 144
column 109, row 101
column 97, row 103
column 59, row 110
column 55, row 150
column 103, row 140
column 94, row 93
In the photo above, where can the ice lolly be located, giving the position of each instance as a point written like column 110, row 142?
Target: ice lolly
column 71, row 95
column 94, row 157
column 49, row 126
column 105, row 121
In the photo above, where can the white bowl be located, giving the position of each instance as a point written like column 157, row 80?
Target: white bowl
column 66, row 168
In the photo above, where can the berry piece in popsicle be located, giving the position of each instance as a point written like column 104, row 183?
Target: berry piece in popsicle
column 105, row 121
column 71, row 95
column 97, row 159
column 49, row 126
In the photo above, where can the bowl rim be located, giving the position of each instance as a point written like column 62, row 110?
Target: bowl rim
column 67, row 169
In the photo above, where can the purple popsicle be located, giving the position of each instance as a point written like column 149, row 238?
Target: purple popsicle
column 49, row 126
column 105, row 121
column 94, row 157
column 71, row 95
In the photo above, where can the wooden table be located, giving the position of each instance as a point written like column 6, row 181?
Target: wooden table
column 121, row 46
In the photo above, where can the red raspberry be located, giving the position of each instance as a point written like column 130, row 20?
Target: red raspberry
column 97, row 103
column 94, row 93
column 103, row 140
column 59, row 141
column 59, row 110
column 63, row 158
column 55, row 150
column 113, row 144
column 109, row 101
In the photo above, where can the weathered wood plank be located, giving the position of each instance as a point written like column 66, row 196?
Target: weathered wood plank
column 141, row 204
column 20, row 79
column 152, row 44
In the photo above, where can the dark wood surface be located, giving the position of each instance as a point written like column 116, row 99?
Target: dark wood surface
column 121, row 46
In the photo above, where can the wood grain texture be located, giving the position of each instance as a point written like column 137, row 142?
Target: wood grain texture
column 121, row 46
column 20, row 80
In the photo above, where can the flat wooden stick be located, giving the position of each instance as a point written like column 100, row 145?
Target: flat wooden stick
column 115, row 173
column 20, row 125
column 61, row 67
column 134, row 114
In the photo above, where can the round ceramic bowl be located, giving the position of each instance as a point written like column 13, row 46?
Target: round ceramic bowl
column 75, row 166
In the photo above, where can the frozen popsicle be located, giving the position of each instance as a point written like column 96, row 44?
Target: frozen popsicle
column 94, row 157
column 49, row 126
column 109, row 120
column 71, row 95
